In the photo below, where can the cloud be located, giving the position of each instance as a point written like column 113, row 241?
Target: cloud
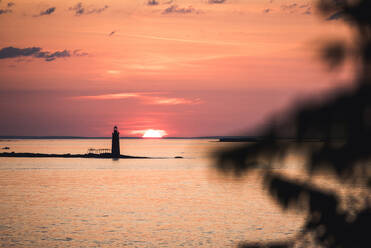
column 145, row 97
column 307, row 12
column 152, row 2
column 307, row 9
column 7, row 10
column 113, row 72
column 52, row 56
column 296, row 8
column 303, row 6
column 336, row 16
column 116, row 96
column 173, row 101
column 79, row 9
column 12, row 52
column 155, row 2
column 289, row 6
column 48, row 11
column 174, row 9
column 216, row 1
column 212, row 42
column 4, row 11
column 78, row 53
column 36, row 52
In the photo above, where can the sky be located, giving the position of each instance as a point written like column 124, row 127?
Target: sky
column 187, row 67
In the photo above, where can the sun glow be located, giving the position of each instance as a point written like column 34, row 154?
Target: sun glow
column 151, row 133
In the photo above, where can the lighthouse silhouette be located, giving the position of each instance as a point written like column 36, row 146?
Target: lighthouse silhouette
column 115, row 150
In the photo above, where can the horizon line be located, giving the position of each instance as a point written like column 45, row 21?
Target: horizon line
column 108, row 137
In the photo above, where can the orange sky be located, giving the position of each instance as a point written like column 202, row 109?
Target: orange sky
column 191, row 68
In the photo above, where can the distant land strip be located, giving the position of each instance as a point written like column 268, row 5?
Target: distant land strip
column 219, row 138
column 68, row 155
column 257, row 139
column 4, row 137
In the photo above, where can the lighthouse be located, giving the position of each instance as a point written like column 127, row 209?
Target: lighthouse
column 115, row 150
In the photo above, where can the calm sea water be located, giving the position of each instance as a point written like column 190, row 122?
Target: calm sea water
column 65, row 202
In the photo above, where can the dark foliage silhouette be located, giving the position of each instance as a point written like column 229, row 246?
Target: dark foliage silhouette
column 341, row 129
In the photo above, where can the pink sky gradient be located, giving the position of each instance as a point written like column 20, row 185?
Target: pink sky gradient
column 189, row 68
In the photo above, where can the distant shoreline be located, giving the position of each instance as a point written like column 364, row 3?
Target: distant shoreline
column 68, row 155
column 258, row 139
column 218, row 138
column 81, row 137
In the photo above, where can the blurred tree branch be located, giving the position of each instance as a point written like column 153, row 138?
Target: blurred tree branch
column 342, row 127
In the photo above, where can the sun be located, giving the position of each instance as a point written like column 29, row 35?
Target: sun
column 151, row 133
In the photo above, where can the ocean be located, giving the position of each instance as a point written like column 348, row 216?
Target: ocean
column 158, row 202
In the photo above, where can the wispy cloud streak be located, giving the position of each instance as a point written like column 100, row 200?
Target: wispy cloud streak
column 296, row 8
column 4, row 11
column 8, row 8
column 174, row 9
column 79, row 9
column 36, row 52
column 291, row 8
column 111, row 96
column 152, row 2
column 174, row 101
column 182, row 40
column 48, row 11
column 145, row 97
column 216, row 1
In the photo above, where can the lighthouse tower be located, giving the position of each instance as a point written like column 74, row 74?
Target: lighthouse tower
column 115, row 150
